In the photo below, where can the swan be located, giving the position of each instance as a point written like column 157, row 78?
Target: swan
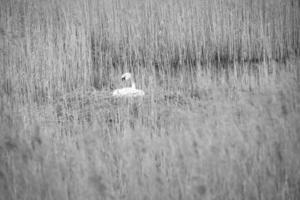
column 128, row 91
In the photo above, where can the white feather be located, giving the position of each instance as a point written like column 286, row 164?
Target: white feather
column 128, row 91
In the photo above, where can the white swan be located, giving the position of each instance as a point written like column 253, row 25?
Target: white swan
column 128, row 91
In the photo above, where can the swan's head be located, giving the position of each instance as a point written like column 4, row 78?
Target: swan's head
column 126, row 76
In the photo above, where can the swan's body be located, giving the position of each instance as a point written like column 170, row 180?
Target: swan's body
column 128, row 91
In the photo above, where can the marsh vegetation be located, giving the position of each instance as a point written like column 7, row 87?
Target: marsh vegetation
column 220, row 118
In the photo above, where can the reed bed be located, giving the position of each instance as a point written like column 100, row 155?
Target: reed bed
column 220, row 119
column 229, row 144
column 52, row 47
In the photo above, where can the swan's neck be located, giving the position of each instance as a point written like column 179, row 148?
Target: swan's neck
column 132, row 84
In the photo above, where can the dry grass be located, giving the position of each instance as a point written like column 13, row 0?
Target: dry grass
column 52, row 47
column 220, row 119
column 228, row 144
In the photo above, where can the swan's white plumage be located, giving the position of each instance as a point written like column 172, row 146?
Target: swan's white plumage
column 128, row 91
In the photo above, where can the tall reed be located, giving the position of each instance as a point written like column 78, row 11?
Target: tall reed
column 52, row 47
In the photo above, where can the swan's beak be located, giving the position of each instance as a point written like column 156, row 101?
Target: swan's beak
column 123, row 78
